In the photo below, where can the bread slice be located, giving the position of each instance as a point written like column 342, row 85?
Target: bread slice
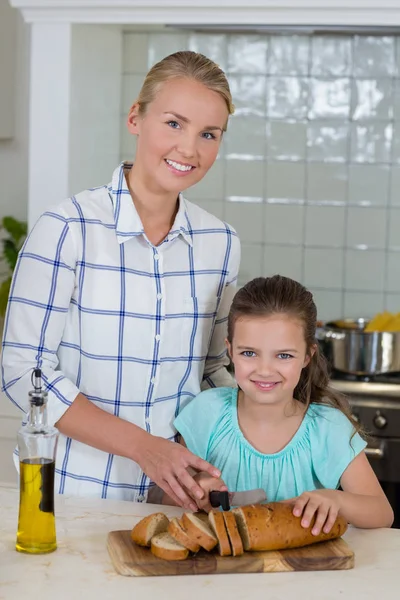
column 217, row 523
column 176, row 529
column 202, row 515
column 151, row 525
column 199, row 531
column 233, row 533
column 273, row 526
column 163, row 545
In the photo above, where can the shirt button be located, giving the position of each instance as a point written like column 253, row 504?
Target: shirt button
column 159, row 296
column 153, row 380
column 158, row 338
column 147, row 420
column 140, row 498
column 156, row 257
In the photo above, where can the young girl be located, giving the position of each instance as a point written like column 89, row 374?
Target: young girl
column 283, row 429
column 121, row 296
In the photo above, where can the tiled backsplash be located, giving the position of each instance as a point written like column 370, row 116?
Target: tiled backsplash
column 309, row 170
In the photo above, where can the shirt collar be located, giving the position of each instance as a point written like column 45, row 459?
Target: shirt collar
column 127, row 221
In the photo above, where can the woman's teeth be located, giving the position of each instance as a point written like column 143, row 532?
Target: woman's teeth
column 178, row 166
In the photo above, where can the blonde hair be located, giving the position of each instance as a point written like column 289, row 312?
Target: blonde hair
column 185, row 64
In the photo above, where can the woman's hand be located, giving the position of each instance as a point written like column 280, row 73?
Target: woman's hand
column 167, row 463
column 208, row 483
column 325, row 504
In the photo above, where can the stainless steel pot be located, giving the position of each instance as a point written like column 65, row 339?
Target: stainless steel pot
column 350, row 349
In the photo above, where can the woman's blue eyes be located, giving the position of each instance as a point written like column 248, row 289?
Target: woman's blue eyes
column 248, row 353
column 206, row 135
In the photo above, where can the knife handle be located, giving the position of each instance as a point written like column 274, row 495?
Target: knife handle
column 220, row 499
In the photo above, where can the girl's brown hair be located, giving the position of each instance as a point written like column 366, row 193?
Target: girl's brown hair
column 185, row 64
column 266, row 296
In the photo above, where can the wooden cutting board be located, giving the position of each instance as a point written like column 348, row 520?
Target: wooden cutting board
column 132, row 560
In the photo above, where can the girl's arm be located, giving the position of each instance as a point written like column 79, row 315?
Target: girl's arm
column 363, row 502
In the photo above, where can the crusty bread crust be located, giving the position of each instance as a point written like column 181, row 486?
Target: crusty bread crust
column 233, row 533
column 274, row 527
column 199, row 531
column 176, row 529
column 163, row 545
column 217, row 524
column 151, row 525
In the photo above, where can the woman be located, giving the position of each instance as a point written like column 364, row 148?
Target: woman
column 121, row 296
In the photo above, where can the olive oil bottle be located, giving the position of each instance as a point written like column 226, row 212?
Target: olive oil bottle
column 37, row 444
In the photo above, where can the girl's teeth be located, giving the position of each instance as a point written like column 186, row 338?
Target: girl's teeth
column 178, row 166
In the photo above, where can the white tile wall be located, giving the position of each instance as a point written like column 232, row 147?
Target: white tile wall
column 309, row 171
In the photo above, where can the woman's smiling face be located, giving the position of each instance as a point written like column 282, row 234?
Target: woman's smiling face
column 179, row 135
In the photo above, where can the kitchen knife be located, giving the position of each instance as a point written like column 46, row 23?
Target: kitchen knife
column 228, row 499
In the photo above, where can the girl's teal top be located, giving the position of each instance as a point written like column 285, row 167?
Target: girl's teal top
column 315, row 457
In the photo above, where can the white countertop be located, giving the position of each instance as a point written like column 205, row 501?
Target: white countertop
column 81, row 566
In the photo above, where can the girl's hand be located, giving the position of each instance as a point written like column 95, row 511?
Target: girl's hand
column 324, row 503
column 166, row 463
column 208, row 483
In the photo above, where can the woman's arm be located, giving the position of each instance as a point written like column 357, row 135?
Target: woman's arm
column 215, row 372
column 207, row 483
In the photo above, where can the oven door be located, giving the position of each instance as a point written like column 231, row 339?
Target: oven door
column 384, row 457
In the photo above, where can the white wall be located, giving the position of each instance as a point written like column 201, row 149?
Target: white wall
column 14, row 151
column 13, row 201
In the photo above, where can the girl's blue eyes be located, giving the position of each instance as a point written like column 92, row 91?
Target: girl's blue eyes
column 250, row 354
column 207, row 135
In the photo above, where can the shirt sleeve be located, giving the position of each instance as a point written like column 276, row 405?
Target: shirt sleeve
column 197, row 420
column 215, row 372
column 40, row 294
column 333, row 445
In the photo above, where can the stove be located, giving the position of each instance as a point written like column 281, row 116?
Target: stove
column 375, row 403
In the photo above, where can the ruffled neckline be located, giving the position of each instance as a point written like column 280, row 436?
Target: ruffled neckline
column 298, row 436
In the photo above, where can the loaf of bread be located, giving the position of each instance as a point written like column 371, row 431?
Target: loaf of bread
column 163, row 545
column 147, row 528
column 274, row 527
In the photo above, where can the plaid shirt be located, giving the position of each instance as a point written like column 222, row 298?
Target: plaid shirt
column 138, row 329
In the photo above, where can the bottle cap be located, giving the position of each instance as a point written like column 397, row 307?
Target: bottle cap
column 38, row 397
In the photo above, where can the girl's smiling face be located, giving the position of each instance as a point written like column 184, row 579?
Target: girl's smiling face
column 268, row 354
column 178, row 136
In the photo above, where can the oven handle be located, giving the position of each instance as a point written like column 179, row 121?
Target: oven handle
column 377, row 453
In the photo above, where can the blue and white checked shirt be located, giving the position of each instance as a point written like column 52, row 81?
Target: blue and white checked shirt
column 138, row 329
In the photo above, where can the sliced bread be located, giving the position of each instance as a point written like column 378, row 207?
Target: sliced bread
column 151, row 525
column 217, row 523
column 163, row 545
column 176, row 529
column 233, row 533
column 199, row 531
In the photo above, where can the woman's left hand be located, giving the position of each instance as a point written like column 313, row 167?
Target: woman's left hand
column 324, row 503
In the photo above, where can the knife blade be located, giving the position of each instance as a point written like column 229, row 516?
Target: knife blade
column 228, row 499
